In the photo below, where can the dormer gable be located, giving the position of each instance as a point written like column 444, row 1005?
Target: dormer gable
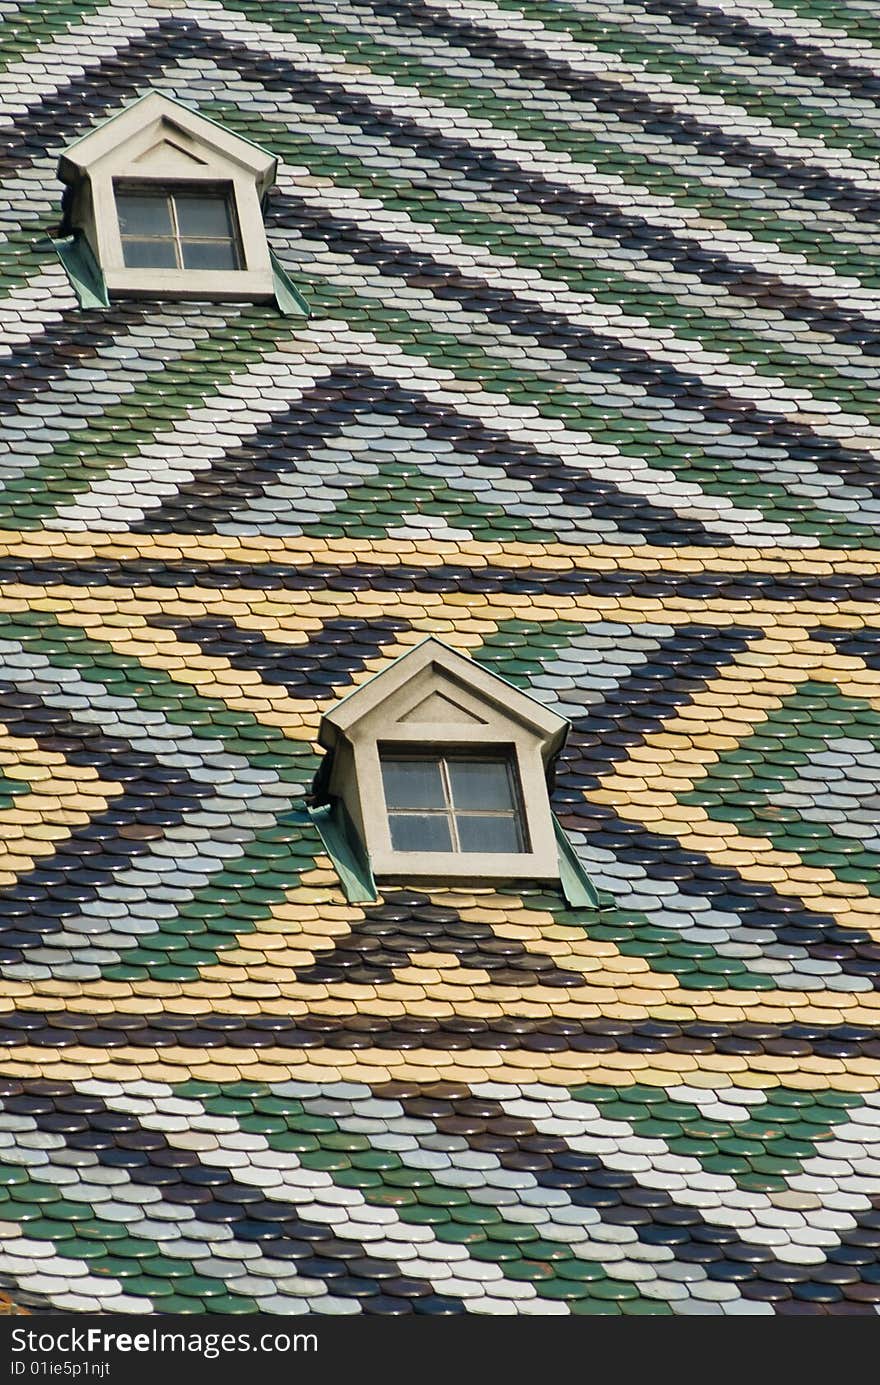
column 440, row 688
column 154, row 126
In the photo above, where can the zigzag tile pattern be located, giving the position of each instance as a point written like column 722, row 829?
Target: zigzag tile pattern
column 589, row 390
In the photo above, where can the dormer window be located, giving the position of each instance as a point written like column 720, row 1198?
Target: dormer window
column 437, row 770
column 182, row 227
column 162, row 203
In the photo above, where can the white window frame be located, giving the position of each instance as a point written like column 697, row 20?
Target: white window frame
column 169, row 193
column 449, row 811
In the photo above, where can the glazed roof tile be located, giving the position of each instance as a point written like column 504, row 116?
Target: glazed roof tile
column 589, row 393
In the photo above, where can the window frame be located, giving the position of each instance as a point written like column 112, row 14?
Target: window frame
column 169, row 192
column 251, row 282
column 443, row 756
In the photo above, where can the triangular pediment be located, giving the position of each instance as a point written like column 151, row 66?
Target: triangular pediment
column 437, row 707
column 164, row 153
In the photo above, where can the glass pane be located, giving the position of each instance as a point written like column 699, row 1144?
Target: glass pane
column 487, row 834
column 141, row 215
column 209, row 254
column 149, row 254
column 480, row 784
column 409, row 832
column 412, row 784
column 204, row 215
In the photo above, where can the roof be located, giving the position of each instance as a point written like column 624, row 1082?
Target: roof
column 589, row 390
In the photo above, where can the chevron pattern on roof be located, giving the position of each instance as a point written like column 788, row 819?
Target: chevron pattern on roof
column 589, row 390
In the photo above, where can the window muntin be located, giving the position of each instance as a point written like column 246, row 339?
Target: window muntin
column 452, row 802
column 177, row 227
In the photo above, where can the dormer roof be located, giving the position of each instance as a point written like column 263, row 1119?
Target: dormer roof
column 445, row 687
column 157, row 130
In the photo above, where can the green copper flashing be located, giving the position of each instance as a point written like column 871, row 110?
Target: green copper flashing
column 289, row 299
column 82, row 270
column 351, row 863
column 88, row 284
column 576, row 885
column 344, row 848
